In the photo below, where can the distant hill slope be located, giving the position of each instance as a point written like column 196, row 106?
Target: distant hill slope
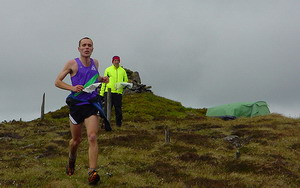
column 146, row 107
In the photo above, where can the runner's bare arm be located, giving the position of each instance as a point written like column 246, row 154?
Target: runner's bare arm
column 69, row 68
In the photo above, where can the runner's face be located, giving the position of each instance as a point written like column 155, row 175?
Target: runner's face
column 86, row 48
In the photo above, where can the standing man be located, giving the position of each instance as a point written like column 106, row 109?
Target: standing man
column 83, row 72
column 117, row 75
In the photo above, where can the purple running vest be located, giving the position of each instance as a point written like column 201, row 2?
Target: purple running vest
column 83, row 75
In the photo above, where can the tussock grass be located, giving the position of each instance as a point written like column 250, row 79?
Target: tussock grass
column 34, row 154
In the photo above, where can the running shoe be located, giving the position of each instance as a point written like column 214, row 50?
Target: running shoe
column 93, row 177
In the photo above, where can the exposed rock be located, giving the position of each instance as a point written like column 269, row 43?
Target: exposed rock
column 234, row 139
column 135, row 79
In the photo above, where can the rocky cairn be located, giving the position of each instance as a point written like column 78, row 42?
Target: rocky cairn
column 135, row 79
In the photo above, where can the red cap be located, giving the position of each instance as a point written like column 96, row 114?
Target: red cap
column 116, row 58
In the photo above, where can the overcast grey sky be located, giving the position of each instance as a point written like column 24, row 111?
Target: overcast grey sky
column 198, row 52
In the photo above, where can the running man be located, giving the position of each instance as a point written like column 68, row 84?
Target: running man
column 83, row 72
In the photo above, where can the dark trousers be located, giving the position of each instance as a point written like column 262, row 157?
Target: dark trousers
column 116, row 102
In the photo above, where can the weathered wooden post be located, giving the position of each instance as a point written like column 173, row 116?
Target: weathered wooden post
column 167, row 135
column 108, row 107
column 43, row 108
column 237, row 154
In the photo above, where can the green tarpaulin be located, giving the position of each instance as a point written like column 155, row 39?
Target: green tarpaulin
column 240, row 109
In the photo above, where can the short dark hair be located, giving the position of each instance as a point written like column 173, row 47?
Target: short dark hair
column 84, row 38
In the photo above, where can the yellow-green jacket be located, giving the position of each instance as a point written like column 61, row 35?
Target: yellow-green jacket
column 116, row 76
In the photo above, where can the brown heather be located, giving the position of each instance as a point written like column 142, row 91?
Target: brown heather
column 34, row 154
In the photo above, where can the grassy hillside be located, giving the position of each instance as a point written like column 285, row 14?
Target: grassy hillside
column 263, row 152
